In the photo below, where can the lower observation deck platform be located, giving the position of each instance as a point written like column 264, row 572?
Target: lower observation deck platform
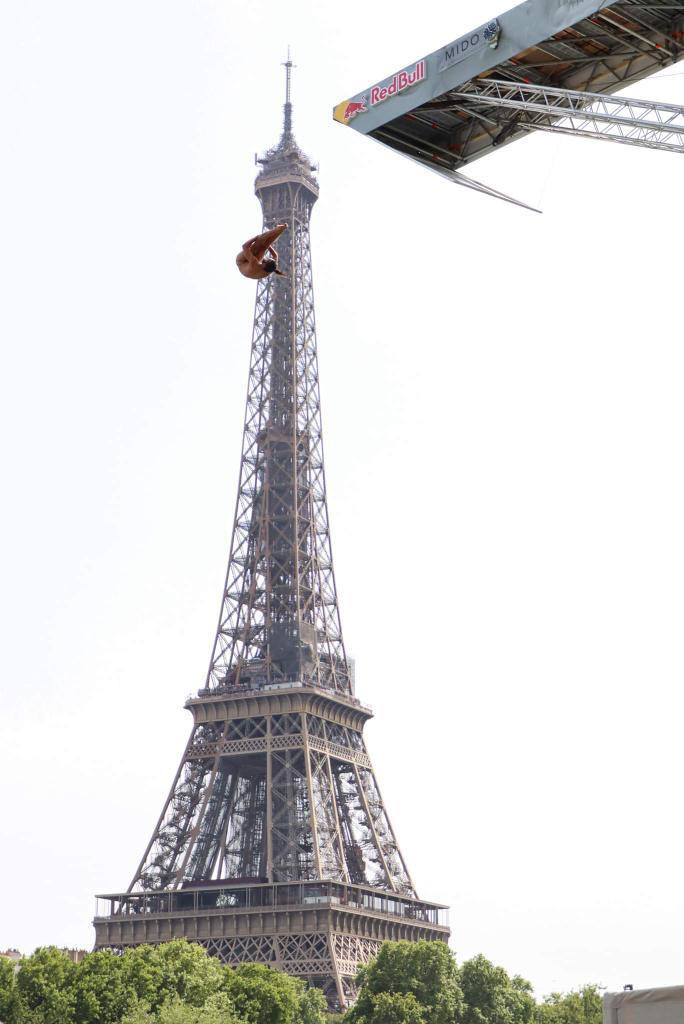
column 309, row 929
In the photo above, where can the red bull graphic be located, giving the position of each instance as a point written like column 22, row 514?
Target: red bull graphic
column 353, row 108
column 345, row 111
column 402, row 80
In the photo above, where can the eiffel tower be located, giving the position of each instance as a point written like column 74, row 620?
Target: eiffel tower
column 274, row 845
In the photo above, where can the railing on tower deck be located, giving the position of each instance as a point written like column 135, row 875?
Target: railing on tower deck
column 250, row 690
column 222, row 896
column 278, row 175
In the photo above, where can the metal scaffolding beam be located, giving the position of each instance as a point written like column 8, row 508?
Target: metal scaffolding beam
column 586, row 114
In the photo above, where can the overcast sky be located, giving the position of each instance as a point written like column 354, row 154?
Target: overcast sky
column 503, row 421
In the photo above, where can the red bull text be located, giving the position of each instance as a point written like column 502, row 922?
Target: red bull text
column 402, row 80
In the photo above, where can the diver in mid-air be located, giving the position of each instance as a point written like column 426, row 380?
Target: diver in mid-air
column 250, row 259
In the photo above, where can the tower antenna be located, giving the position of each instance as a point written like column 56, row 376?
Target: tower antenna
column 287, row 110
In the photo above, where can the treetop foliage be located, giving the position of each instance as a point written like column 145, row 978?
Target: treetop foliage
column 491, row 997
column 584, row 1006
column 424, row 971
column 179, row 983
column 420, row 983
column 172, row 983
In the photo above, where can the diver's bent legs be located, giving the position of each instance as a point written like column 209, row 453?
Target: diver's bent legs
column 261, row 243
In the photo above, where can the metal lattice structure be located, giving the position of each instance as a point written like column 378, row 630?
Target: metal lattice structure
column 549, row 65
column 279, row 619
column 274, row 844
column 585, row 114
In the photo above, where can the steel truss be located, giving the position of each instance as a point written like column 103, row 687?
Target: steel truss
column 331, row 960
column 592, row 115
column 283, row 797
column 279, row 620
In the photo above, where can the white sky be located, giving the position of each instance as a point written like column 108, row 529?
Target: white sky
column 503, row 429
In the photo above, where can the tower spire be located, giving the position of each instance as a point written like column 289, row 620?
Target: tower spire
column 287, row 109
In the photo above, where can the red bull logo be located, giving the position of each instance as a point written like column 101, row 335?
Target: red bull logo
column 402, row 80
column 347, row 110
column 352, row 109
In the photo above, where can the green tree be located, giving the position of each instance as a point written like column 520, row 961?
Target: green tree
column 136, row 985
column 143, row 973
column 492, row 997
column 218, row 1009
column 426, row 971
column 188, row 971
column 139, row 1013
column 313, row 1006
column 261, row 995
column 45, row 985
column 584, row 1006
column 9, row 996
column 154, row 974
column 397, row 1008
column 103, row 992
